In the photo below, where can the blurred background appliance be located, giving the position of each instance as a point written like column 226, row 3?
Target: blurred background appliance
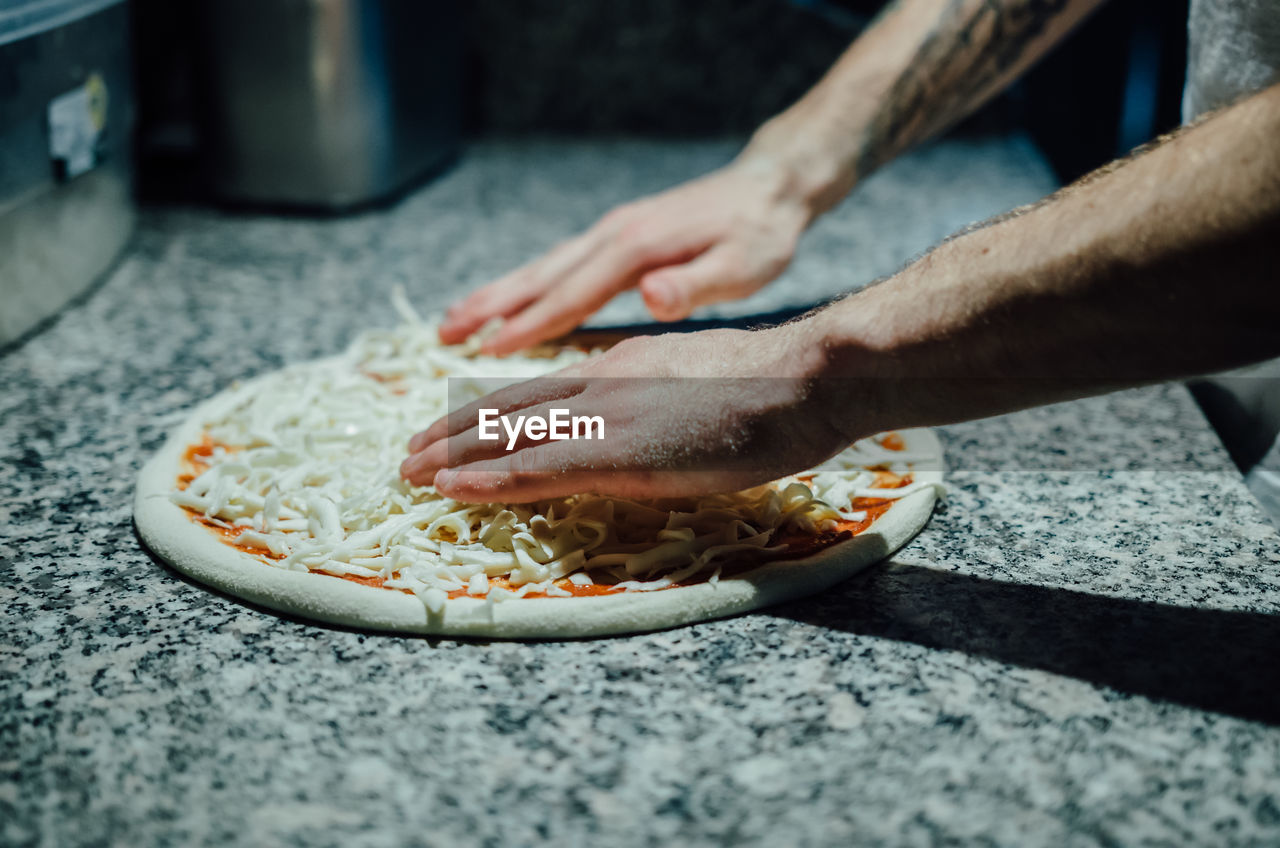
column 326, row 104
column 66, row 118
column 662, row 68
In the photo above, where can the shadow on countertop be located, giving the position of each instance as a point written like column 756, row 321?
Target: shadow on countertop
column 1218, row 660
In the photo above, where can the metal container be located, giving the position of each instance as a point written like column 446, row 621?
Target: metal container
column 66, row 119
column 328, row 103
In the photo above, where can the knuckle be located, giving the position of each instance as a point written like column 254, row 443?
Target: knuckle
column 753, row 269
column 466, row 451
column 767, row 270
column 525, row 467
column 636, row 239
column 788, row 241
column 733, row 265
column 777, row 262
column 521, row 278
column 616, row 218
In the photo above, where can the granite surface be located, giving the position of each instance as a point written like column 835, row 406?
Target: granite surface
column 1078, row 650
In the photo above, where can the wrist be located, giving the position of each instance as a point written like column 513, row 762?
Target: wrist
column 882, row 359
column 808, row 169
column 924, row 348
column 841, row 375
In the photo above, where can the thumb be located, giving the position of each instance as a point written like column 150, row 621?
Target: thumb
column 720, row 274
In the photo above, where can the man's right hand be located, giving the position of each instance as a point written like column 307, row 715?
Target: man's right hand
column 717, row 238
column 922, row 66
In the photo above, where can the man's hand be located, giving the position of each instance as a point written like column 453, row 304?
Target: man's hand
column 922, row 66
column 684, row 414
column 717, row 238
column 1158, row 267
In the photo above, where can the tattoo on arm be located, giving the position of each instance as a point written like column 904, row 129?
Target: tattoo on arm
column 973, row 44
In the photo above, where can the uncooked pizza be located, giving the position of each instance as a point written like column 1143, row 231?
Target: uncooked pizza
column 285, row 491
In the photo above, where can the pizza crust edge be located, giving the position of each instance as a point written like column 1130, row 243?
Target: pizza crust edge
column 168, row 531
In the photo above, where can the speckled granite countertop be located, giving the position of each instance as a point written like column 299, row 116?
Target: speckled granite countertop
column 1079, row 649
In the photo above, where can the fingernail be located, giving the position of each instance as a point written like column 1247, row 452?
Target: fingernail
column 445, row 476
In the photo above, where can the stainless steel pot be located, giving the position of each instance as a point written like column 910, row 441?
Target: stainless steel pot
column 328, row 103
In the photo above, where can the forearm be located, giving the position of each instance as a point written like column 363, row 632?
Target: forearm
column 922, row 66
column 1161, row 267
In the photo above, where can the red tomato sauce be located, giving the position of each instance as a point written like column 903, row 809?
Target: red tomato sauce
column 798, row 544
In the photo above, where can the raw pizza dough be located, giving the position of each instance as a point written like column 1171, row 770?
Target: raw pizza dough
column 192, row 548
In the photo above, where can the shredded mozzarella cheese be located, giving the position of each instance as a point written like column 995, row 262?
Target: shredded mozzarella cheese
column 309, row 475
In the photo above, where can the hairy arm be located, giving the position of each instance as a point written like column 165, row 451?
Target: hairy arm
column 922, row 66
column 1162, row 266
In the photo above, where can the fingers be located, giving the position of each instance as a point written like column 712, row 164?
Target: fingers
column 537, row 472
column 720, row 274
column 627, row 242
column 553, row 316
column 563, row 384
column 569, row 468
column 484, row 484
column 594, row 283
column 502, row 298
column 468, row 444
column 553, row 295
column 509, row 294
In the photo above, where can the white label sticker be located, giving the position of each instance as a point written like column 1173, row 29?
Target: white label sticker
column 76, row 120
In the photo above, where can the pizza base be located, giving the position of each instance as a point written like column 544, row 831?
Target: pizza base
column 168, row 530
